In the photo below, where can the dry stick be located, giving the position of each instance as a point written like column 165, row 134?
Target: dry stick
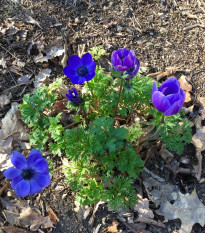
column 14, row 87
column 128, row 226
column 3, row 188
column 194, row 26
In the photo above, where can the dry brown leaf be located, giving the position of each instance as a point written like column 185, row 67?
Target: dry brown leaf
column 187, row 97
column 30, row 218
column 202, row 110
column 198, row 139
column 113, row 227
column 53, row 216
column 31, row 20
column 184, row 85
column 24, row 79
column 5, row 99
column 166, row 155
column 15, row 230
column 145, row 215
column 168, row 72
column 41, row 77
column 188, row 208
column 12, row 129
column 19, row 213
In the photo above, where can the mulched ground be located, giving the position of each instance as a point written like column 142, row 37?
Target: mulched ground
column 163, row 33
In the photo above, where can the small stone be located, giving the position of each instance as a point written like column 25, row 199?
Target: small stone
column 119, row 28
column 64, row 196
column 59, row 188
column 185, row 160
column 76, row 20
column 150, row 18
column 174, row 195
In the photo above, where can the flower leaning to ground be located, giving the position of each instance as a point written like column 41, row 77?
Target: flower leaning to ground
column 73, row 97
column 125, row 60
column 79, row 69
column 169, row 98
column 30, row 175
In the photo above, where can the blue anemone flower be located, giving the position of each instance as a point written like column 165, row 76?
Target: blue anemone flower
column 30, row 175
column 73, row 97
column 79, row 69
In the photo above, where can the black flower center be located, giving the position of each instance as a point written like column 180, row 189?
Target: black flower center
column 131, row 70
column 27, row 174
column 82, row 71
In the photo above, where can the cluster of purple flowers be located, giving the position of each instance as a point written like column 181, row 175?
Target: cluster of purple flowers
column 168, row 99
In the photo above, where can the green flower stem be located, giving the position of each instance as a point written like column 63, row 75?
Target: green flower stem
column 90, row 89
column 120, row 91
column 155, row 134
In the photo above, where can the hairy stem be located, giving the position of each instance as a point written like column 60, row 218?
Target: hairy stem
column 118, row 100
column 155, row 133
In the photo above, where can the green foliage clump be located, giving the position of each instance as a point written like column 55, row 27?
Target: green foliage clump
column 176, row 133
column 35, row 112
column 100, row 145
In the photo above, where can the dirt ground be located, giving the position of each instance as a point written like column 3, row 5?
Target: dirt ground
column 163, row 33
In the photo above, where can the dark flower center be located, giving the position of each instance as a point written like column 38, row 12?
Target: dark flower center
column 131, row 70
column 76, row 100
column 27, row 174
column 82, row 71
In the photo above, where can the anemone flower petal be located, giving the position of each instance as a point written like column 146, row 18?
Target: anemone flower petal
column 23, row 188
column 170, row 86
column 154, row 88
column 33, row 156
column 41, row 165
column 77, row 80
column 173, row 98
column 87, row 59
column 122, row 52
column 121, row 68
column 173, row 109
column 69, row 72
column 43, row 179
column 160, row 101
column 15, row 181
column 34, row 187
column 18, row 160
column 116, row 61
column 11, row 173
column 91, row 67
column 75, row 91
column 74, row 62
column 90, row 76
column 128, row 61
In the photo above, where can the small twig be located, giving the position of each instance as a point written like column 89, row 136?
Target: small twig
column 8, row 52
column 11, row 75
column 128, row 226
column 194, row 26
column 153, row 175
column 3, row 188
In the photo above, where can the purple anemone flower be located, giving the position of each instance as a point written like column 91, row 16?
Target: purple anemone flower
column 125, row 60
column 79, row 69
column 169, row 98
column 30, row 175
column 73, row 97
